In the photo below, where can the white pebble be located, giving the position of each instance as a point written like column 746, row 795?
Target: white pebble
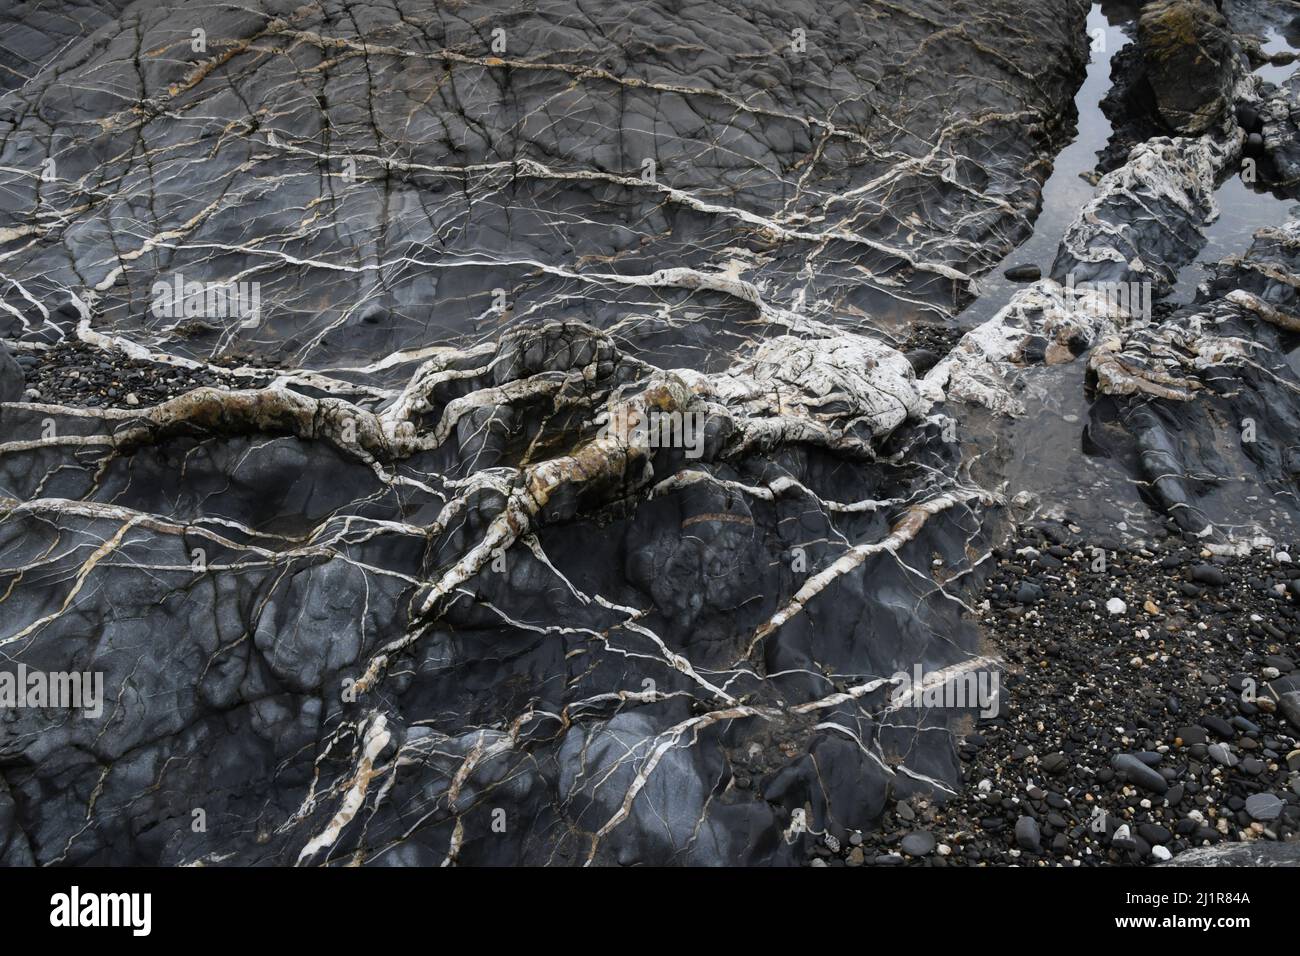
column 1161, row 854
column 1116, row 606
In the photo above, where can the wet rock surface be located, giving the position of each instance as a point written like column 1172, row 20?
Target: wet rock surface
column 1187, row 398
column 1191, row 63
column 343, row 326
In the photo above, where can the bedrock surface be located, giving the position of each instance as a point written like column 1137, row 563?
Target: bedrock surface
column 374, row 560
column 546, row 433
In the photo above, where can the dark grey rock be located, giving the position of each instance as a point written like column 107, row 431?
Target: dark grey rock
column 1190, row 62
column 1024, row 273
column 1208, row 574
column 918, row 843
column 1139, row 774
column 1028, row 834
column 1289, row 705
column 11, row 377
column 1029, row 593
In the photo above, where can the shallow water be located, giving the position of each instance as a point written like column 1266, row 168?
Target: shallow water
column 1243, row 209
column 1065, row 190
column 1275, row 41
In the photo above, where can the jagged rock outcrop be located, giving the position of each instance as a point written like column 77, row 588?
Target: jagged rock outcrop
column 554, row 493
column 1191, row 64
column 534, row 466
column 1240, row 854
column 1203, row 404
column 11, row 377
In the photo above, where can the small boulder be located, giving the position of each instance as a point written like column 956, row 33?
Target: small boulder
column 1191, row 65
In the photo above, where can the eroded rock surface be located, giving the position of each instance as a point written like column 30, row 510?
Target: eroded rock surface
column 1191, row 63
column 407, row 580
column 1208, row 397
column 479, row 434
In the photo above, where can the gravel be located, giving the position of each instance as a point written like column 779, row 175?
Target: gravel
column 1122, row 739
column 73, row 373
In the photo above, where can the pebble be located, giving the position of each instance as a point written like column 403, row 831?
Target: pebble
column 1122, row 838
column 1116, row 606
column 1024, row 273
column 1029, row 593
column 1054, row 763
column 1208, row 574
column 1190, row 735
column 1028, row 834
column 1289, row 704
column 1171, row 749
column 918, row 843
column 1222, row 755
column 1218, row 726
column 1264, row 806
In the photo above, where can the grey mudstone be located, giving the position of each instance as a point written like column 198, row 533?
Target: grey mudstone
column 418, row 580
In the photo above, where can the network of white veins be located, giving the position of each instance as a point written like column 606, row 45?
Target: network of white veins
column 775, row 395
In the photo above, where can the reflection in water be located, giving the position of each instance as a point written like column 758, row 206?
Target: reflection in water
column 1065, row 190
column 1047, row 449
column 1243, row 207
